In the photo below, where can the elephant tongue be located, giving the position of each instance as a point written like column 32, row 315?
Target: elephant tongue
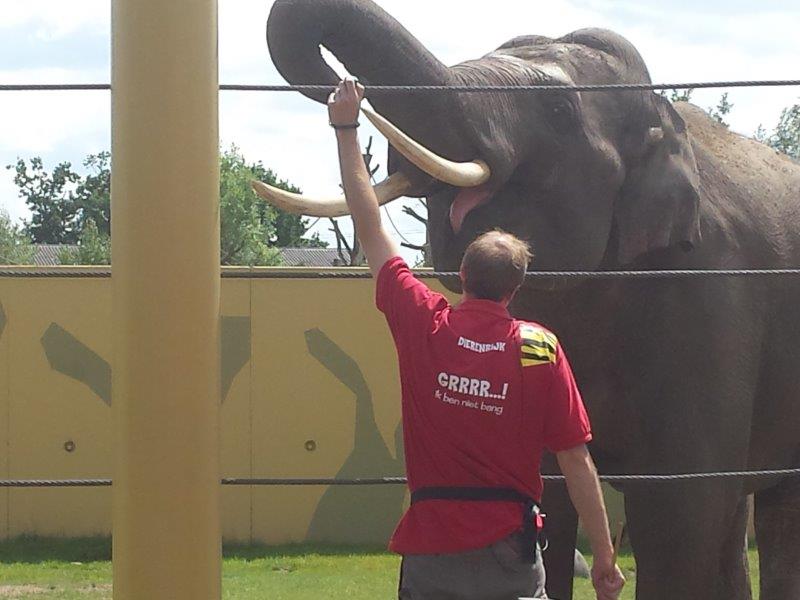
column 467, row 200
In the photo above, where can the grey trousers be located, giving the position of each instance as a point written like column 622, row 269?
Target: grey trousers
column 493, row 573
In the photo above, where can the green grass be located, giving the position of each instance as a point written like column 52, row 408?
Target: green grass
column 80, row 569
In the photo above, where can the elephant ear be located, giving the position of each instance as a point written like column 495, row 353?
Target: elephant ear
column 658, row 206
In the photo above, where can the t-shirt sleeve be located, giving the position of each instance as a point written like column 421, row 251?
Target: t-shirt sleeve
column 403, row 298
column 566, row 423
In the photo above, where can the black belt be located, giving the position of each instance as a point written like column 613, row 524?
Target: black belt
column 531, row 515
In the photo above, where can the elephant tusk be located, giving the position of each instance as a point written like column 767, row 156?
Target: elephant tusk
column 469, row 174
column 391, row 188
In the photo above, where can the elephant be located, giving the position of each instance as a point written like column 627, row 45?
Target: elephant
column 679, row 374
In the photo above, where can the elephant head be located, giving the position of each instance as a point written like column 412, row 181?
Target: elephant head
column 592, row 179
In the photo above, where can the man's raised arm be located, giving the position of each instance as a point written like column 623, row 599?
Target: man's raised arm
column 343, row 110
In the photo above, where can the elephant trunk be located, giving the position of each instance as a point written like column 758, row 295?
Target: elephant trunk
column 373, row 46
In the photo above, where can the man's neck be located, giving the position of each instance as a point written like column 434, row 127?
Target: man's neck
column 467, row 296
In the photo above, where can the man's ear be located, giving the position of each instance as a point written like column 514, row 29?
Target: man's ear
column 658, row 206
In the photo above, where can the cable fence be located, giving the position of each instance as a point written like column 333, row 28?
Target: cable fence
column 245, row 481
column 357, row 273
column 404, row 89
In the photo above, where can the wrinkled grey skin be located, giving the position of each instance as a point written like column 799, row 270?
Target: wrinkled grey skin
column 679, row 375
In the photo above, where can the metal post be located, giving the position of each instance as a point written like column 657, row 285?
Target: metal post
column 166, row 299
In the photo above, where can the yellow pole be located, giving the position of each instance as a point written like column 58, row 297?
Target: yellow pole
column 166, row 299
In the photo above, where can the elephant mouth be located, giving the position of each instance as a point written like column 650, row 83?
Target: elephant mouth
column 467, row 200
column 455, row 218
column 469, row 177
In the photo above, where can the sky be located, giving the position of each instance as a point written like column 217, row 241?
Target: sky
column 53, row 41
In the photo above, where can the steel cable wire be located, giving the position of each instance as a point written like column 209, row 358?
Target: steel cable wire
column 380, row 89
column 245, row 273
column 287, row 481
column 606, row 87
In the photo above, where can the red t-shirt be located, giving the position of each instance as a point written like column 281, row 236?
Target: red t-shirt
column 483, row 395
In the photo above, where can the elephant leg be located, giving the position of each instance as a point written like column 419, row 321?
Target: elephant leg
column 734, row 568
column 561, row 528
column 777, row 519
column 678, row 530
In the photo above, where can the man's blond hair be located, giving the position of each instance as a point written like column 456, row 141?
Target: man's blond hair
column 494, row 265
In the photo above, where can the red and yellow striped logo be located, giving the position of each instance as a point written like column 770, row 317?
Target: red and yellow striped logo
column 538, row 346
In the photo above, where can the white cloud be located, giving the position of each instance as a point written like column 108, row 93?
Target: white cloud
column 52, row 75
column 59, row 126
column 44, row 123
column 50, row 19
column 242, row 42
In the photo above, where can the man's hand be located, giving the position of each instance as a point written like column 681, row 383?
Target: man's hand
column 607, row 579
column 344, row 104
column 584, row 490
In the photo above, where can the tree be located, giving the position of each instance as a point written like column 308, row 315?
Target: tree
column 288, row 229
column 786, row 137
column 425, row 249
column 247, row 223
column 350, row 252
column 722, row 109
column 94, row 248
column 93, row 194
column 51, row 200
column 679, row 95
column 252, row 230
column 761, row 134
column 15, row 247
column 62, row 202
column 74, row 209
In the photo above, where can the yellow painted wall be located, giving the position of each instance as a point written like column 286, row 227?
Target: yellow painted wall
column 311, row 391
column 310, row 388
column 45, row 410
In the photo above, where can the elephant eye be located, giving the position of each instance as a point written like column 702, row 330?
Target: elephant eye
column 561, row 114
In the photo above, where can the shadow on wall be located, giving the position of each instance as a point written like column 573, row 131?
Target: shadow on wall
column 358, row 514
column 2, row 319
column 71, row 357
column 234, row 350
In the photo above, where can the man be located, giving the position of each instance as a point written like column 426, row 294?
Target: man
column 483, row 396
